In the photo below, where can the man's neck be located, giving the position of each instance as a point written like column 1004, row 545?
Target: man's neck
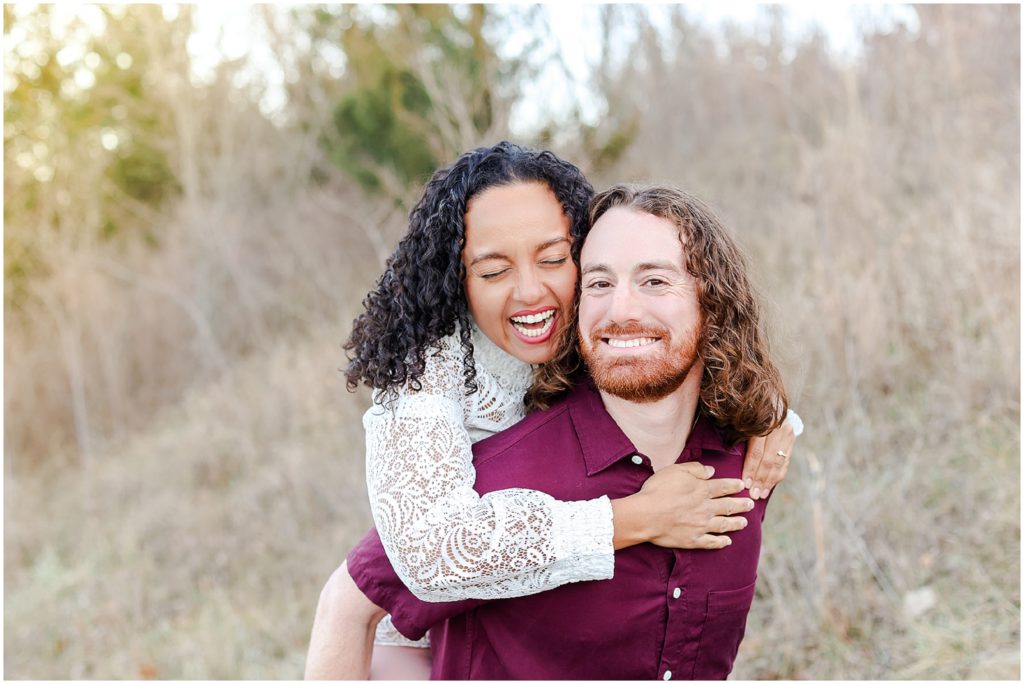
column 659, row 429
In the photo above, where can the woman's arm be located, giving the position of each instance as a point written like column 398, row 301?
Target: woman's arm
column 445, row 541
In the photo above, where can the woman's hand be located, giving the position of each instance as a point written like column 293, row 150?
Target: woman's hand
column 767, row 460
column 681, row 507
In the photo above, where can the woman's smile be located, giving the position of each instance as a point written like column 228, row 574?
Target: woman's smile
column 534, row 327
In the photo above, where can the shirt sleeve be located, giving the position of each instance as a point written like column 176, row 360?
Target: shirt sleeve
column 376, row 578
column 446, row 542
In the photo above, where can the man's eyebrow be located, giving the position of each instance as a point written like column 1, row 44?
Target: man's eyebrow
column 655, row 265
column 594, row 268
column 639, row 268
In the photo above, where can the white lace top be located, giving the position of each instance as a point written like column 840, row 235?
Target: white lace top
column 445, row 541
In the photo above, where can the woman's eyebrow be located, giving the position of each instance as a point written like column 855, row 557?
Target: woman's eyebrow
column 498, row 255
column 551, row 243
column 488, row 256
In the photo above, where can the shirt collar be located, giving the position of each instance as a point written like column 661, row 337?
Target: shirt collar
column 511, row 373
column 604, row 443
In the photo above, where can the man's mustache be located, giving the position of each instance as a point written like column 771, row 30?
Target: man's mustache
column 637, row 329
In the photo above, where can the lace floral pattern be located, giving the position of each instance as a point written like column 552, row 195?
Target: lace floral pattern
column 445, row 541
column 388, row 635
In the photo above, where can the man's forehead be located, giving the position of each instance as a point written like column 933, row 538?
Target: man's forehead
column 629, row 235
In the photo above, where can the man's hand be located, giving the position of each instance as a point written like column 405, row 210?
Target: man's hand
column 763, row 466
column 681, row 507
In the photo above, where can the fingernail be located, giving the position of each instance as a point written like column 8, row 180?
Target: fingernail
column 744, row 522
column 750, row 504
column 747, row 482
column 709, row 470
column 754, row 492
column 728, row 541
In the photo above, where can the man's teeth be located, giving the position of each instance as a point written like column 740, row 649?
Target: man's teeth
column 534, row 318
column 636, row 342
column 534, row 332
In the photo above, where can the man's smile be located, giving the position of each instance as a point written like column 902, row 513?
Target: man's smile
column 632, row 343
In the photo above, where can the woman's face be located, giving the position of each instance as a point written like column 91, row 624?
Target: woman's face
column 520, row 276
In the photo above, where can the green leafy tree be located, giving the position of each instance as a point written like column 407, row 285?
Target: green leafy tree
column 85, row 142
column 421, row 84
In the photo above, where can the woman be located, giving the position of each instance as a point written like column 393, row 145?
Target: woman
column 476, row 293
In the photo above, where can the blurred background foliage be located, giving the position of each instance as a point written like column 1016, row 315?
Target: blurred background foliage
column 185, row 248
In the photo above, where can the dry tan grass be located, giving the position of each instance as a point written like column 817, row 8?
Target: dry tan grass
column 183, row 525
column 198, row 547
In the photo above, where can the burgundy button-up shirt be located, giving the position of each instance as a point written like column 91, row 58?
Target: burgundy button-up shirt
column 666, row 614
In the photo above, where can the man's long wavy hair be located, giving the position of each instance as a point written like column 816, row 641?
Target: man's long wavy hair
column 742, row 390
column 420, row 298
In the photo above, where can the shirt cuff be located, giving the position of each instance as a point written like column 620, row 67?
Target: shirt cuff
column 795, row 422
column 373, row 574
column 582, row 536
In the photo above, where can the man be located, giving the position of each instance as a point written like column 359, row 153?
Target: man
column 668, row 330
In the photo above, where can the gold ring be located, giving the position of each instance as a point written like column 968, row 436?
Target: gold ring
column 783, row 454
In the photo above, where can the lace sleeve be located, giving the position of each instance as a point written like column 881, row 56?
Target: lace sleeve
column 445, row 541
column 388, row 635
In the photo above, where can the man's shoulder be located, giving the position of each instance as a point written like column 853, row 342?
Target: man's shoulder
column 534, row 429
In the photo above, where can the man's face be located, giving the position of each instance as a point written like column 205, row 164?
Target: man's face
column 639, row 315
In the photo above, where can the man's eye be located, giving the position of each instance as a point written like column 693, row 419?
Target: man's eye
column 598, row 285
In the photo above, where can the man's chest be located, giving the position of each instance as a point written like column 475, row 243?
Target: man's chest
column 651, row 618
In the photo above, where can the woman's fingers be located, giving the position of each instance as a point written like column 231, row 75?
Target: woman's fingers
column 724, row 486
column 773, row 462
column 729, row 505
column 752, row 461
column 712, row 541
column 726, row 523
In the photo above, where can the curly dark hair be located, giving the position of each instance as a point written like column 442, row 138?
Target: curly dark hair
column 420, row 298
column 741, row 390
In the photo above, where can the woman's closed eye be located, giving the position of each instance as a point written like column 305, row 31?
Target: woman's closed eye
column 494, row 274
column 554, row 261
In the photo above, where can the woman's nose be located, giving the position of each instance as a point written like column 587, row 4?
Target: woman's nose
column 529, row 287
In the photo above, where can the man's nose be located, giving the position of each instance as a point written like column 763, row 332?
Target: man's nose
column 529, row 288
column 624, row 305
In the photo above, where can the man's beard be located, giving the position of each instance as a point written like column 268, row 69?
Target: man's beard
column 645, row 377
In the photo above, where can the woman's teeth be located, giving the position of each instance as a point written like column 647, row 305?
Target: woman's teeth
column 547, row 319
column 638, row 342
column 534, row 318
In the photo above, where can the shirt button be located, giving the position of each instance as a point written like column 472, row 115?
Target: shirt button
column 637, row 459
column 668, row 675
column 677, row 592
